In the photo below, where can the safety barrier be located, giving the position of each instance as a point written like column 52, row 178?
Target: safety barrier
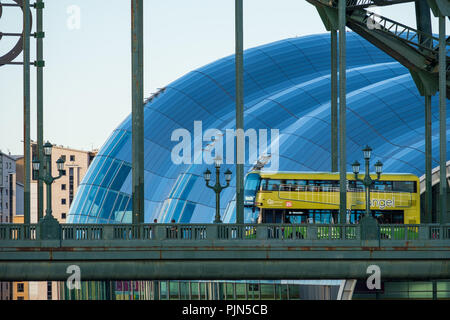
column 187, row 232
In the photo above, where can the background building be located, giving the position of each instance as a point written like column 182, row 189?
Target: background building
column 287, row 87
column 11, row 206
column 7, row 187
column 65, row 188
column 63, row 193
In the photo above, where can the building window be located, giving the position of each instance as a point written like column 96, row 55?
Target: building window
column 20, row 287
column 70, row 186
column 63, row 172
column 49, row 290
column 63, row 201
column 72, row 158
column 63, row 215
column 20, row 298
column 63, row 157
column 63, row 187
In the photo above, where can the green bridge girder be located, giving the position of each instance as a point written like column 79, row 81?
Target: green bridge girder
column 225, row 252
column 352, row 4
column 416, row 50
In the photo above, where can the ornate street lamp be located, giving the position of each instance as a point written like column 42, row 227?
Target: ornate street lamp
column 47, row 177
column 367, row 181
column 217, row 187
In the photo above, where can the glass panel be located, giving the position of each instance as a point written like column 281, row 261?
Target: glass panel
column 111, row 173
column 92, row 170
column 127, row 218
column 202, row 290
column 194, row 290
column 240, row 291
column 251, row 185
column 106, row 209
column 89, row 200
column 102, row 172
column 267, row 291
column 184, row 290
column 122, row 174
column 97, row 202
column 118, row 206
column 405, row 186
column 81, row 194
column 284, row 291
column 294, row 292
column 229, row 289
column 163, row 290
column 121, row 211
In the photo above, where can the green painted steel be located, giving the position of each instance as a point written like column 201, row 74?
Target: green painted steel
column 106, row 252
column 442, row 120
column 367, row 180
column 225, row 251
column 217, row 188
column 49, row 226
column 327, row 234
column 423, row 21
column 39, row 100
column 26, row 110
column 334, row 102
column 401, row 43
column 137, row 53
column 428, row 166
column 439, row 6
column 240, row 152
column 416, row 50
column 342, row 113
column 214, row 269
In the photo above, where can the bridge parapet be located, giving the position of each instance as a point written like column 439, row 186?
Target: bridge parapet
column 246, row 232
column 224, row 251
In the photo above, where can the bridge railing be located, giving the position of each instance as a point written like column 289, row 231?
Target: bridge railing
column 18, row 232
column 269, row 232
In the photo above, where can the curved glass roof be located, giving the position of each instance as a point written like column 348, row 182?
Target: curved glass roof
column 287, row 87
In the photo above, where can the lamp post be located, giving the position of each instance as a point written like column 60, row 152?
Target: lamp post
column 367, row 181
column 47, row 177
column 217, row 187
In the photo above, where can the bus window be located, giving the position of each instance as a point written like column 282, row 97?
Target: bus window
column 251, row 187
column 273, row 185
column 405, row 186
column 272, row 216
column 251, row 214
column 296, row 218
column 288, row 185
column 382, row 185
column 352, row 184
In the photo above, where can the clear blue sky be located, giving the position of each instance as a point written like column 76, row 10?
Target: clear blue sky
column 87, row 74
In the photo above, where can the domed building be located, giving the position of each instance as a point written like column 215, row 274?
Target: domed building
column 286, row 87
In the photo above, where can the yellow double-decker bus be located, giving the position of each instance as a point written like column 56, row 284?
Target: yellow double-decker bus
column 313, row 197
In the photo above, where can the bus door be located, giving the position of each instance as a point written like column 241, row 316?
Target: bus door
column 296, row 217
column 272, row 215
